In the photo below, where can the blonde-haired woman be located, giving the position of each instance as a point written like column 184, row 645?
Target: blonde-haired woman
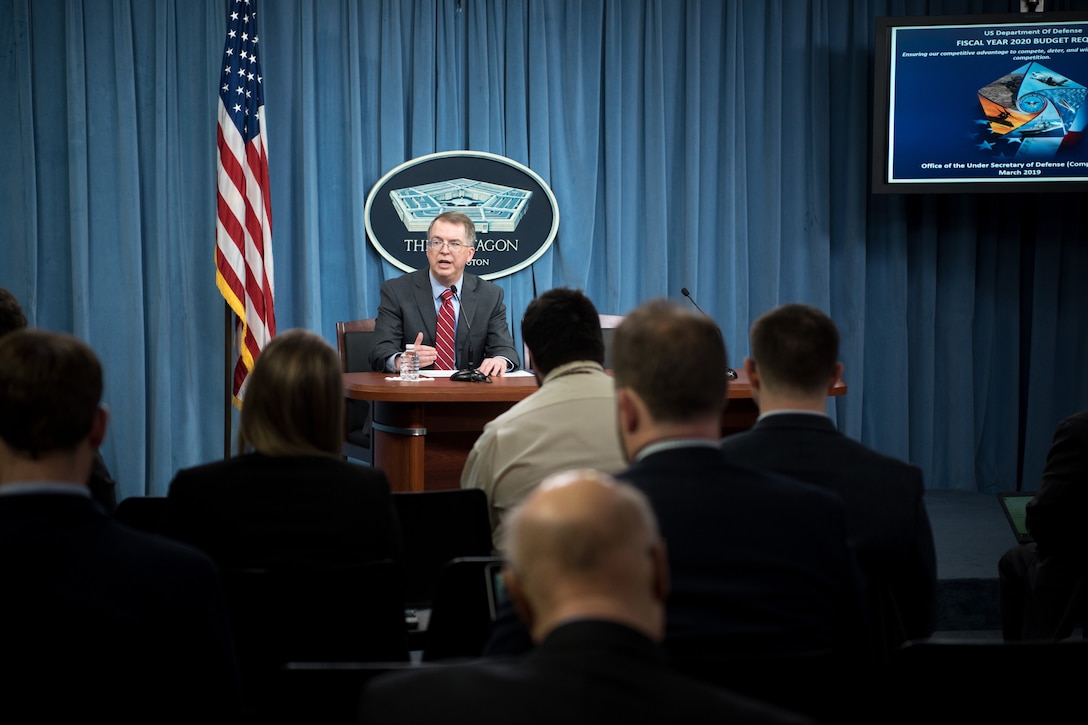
column 288, row 498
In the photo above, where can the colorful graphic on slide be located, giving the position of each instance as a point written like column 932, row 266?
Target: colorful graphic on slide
column 1033, row 111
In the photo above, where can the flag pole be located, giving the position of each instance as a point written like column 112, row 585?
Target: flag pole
column 228, row 377
column 243, row 244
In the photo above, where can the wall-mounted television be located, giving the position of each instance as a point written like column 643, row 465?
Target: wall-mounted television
column 981, row 103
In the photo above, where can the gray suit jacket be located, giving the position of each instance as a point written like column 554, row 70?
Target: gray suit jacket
column 407, row 308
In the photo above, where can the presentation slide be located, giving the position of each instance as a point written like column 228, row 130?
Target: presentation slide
column 988, row 103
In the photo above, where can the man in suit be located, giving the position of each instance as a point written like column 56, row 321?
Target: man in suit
column 570, row 423
column 103, row 487
column 102, row 623
column 761, row 563
column 587, row 571
column 795, row 350
column 1040, row 580
column 412, row 306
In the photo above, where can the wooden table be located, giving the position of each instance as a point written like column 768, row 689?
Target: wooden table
column 422, row 432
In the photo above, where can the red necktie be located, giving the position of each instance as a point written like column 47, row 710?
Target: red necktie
column 445, row 332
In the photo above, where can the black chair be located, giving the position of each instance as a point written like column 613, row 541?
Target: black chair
column 437, row 526
column 609, row 323
column 327, row 692
column 354, row 340
column 338, row 614
column 462, row 611
column 984, row 682
column 146, row 513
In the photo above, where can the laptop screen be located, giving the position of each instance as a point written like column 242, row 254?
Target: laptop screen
column 1015, row 507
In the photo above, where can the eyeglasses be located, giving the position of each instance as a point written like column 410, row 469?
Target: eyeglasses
column 437, row 244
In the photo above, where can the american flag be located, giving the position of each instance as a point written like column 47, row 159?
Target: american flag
column 243, row 239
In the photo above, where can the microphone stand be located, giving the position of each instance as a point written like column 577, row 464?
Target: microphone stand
column 470, row 374
column 729, row 372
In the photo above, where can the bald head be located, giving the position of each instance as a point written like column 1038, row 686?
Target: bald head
column 583, row 545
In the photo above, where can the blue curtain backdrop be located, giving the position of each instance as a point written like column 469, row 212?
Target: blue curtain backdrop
column 716, row 145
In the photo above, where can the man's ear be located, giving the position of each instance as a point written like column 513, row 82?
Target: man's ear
column 99, row 423
column 517, row 596
column 627, row 410
column 662, row 582
column 837, row 377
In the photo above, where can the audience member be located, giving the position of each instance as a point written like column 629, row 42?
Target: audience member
column 102, row 623
column 101, row 484
column 1041, row 581
column 412, row 306
column 11, row 314
column 794, row 363
column 288, row 498
column 569, row 423
column 587, row 570
column 761, row 563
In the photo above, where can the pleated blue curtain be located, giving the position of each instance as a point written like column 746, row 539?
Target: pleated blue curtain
column 107, row 115
column 715, row 145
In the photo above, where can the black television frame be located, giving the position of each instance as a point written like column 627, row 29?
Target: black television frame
column 884, row 123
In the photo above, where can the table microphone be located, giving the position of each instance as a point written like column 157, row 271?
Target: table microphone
column 471, row 374
column 729, row 372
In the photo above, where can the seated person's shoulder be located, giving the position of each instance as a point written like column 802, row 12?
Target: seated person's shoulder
column 144, row 552
column 256, row 469
column 897, row 470
column 1075, row 425
column 788, row 489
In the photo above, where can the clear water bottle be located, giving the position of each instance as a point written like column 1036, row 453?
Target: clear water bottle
column 409, row 363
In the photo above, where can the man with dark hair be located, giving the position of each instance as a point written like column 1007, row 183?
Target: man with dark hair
column 103, row 487
column 761, row 563
column 570, row 422
column 425, row 308
column 102, row 622
column 11, row 314
column 794, row 362
column 587, row 571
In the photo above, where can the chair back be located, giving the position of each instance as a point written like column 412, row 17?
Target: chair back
column 150, row 514
column 328, row 692
column 348, row 613
column 354, row 341
column 609, row 323
column 461, row 614
column 437, row 526
column 339, row 614
column 961, row 680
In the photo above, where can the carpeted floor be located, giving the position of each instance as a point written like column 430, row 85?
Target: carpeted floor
column 970, row 534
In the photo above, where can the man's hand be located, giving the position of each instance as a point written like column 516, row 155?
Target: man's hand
column 427, row 354
column 493, row 366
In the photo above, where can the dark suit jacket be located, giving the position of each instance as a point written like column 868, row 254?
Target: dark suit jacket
column 884, row 505
column 760, row 563
column 1058, row 516
column 106, row 624
column 256, row 511
column 586, row 671
column 103, row 487
column 407, row 308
